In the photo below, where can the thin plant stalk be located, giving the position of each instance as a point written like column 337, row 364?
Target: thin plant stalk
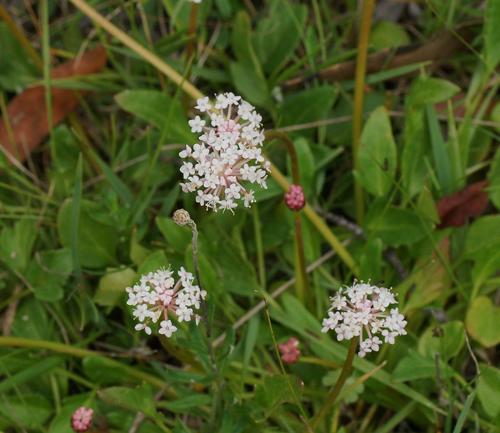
column 359, row 91
column 217, row 400
column 195, row 93
column 335, row 391
column 261, row 268
column 302, row 283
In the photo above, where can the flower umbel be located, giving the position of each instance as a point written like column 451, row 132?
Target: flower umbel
column 228, row 158
column 363, row 307
column 157, row 296
column 290, row 352
column 82, row 419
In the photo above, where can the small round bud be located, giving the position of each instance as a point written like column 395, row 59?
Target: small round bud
column 295, row 198
column 82, row 419
column 290, row 352
column 182, row 217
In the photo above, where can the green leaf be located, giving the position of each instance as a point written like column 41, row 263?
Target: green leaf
column 186, row 403
column 276, row 390
column 159, row 109
column 96, row 241
column 241, row 41
column 494, row 178
column 307, row 171
column 138, row 399
column 48, row 272
column 426, row 91
column 442, row 161
column 179, row 238
column 16, row 244
column 15, row 69
column 247, row 81
column 278, row 35
column 386, row 34
column 35, row 371
column 413, row 367
column 416, row 147
column 153, row 262
column 396, row 226
column 483, row 321
column 448, row 343
column 318, row 101
column 370, row 262
column 479, row 236
column 112, row 287
column 27, row 410
column 32, row 321
column 377, row 157
column 492, row 33
column 487, row 390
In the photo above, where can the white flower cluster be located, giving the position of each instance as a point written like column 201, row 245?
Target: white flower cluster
column 157, row 295
column 229, row 153
column 363, row 307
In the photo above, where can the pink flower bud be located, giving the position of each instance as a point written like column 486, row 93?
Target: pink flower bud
column 81, row 419
column 294, row 198
column 290, row 352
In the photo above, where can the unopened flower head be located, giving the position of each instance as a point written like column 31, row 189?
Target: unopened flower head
column 81, row 419
column 228, row 159
column 363, row 311
column 290, row 352
column 158, row 298
column 181, row 217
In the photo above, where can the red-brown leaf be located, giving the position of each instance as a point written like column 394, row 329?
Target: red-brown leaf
column 454, row 210
column 27, row 112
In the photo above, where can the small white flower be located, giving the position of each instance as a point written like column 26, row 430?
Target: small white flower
column 228, row 159
column 158, row 296
column 360, row 311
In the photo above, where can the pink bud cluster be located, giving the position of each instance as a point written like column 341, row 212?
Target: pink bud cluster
column 290, row 351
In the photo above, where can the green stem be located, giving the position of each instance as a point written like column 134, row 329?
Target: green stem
column 359, row 91
column 261, row 268
column 302, row 283
column 335, row 391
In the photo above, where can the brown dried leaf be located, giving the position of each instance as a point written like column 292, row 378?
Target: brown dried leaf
column 455, row 210
column 27, row 112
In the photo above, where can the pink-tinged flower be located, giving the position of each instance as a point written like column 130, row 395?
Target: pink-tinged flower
column 81, row 419
column 158, row 296
column 290, row 351
column 228, row 159
column 295, row 198
column 361, row 311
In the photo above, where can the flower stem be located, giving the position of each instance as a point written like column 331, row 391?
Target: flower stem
column 193, row 17
column 258, row 244
column 359, row 91
column 302, row 283
column 335, row 391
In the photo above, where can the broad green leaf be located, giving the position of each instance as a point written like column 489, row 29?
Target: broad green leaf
column 28, row 410
column 307, row 170
column 487, row 390
column 159, row 109
column 241, row 41
column 427, row 90
column 396, row 226
column 276, row 390
column 492, row 33
column 96, row 241
column 32, row 321
column 248, row 82
column 16, row 244
column 278, row 35
column 416, row 147
column 377, row 156
column 318, row 101
column 483, row 321
column 448, row 340
column 416, row 366
column 494, row 178
column 153, row 262
column 179, row 238
column 112, row 286
column 48, row 272
column 479, row 236
column 42, row 367
column 386, row 34
column 427, row 206
column 139, row 399
column 370, row 262
column 184, row 404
